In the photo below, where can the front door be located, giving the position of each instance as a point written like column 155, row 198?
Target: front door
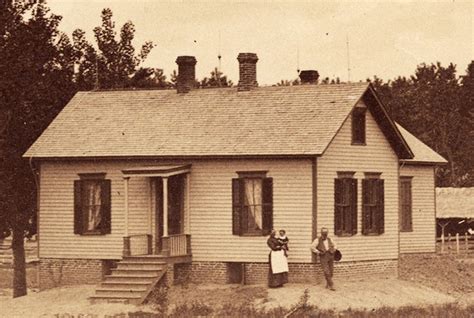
column 176, row 188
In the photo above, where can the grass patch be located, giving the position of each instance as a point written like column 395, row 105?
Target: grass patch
column 203, row 310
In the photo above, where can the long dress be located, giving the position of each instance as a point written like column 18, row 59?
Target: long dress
column 278, row 269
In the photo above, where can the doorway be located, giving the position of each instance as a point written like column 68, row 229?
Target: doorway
column 176, row 190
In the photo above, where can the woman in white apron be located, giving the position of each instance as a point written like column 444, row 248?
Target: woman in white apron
column 278, row 272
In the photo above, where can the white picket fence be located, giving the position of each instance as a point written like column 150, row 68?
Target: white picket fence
column 456, row 244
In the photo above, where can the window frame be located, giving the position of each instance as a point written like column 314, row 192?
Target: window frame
column 358, row 126
column 347, row 183
column 239, row 210
column 406, row 225
column 373, row 212
column 81, row 213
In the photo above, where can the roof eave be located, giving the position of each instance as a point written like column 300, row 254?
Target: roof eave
column 423, row 162
column 175, row 157
column 404, row 152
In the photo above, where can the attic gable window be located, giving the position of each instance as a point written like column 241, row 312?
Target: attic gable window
column 252, row 204
column 92, row 204
column 358, row 125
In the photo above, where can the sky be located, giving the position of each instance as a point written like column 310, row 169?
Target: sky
column 382, row 38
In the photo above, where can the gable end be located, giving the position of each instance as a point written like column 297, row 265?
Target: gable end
column 386, row 124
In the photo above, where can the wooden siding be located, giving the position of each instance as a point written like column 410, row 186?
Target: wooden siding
column 422, row 238
column 210, row 205
column 56, row 211
column 211, row 210
column 375, row 156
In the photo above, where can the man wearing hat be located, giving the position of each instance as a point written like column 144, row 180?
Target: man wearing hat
column 325, row 248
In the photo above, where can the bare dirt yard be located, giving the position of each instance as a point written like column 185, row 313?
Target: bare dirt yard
column 424, row 281
column 448, row 274
column 72, row 301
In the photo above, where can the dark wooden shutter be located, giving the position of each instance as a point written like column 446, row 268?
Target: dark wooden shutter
column 78, row 214
column 353, row 204
column 365, row 208
column 267, row 205
column 380, row 216
column 405, row 202
column 105, row 208
column 338, row 205
column 237, row 205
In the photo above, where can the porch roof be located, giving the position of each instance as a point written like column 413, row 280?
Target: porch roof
column 157, row 171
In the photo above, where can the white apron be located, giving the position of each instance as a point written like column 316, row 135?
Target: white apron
column 279, row 262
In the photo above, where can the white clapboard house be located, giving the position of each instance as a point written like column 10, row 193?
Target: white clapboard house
column 142, row 185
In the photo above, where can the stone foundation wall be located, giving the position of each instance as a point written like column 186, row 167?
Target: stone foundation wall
column 55, row 272
column 257, row 273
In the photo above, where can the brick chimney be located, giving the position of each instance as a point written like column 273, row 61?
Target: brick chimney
column 186, row 73
column 309, row 77
column 247, row 71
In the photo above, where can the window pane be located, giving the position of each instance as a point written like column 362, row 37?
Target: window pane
column 253, row 203
column 92, row 205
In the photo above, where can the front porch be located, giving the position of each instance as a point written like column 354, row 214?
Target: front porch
column 149, row 258
column 168, row 215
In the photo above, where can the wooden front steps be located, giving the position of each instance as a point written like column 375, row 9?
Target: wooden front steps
column 135, row 278
column 132, row 281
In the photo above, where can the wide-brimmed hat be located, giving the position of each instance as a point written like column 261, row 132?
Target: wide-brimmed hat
column 337, row 255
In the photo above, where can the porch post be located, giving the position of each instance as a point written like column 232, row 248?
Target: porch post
column 188, row 212
column 165, row 206
column 126, row 238
column 150, row 207
column 125, row 200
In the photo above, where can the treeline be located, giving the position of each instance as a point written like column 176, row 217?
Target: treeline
column 437, row 106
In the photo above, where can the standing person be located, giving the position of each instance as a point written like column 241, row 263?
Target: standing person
column 325, row 248
column 278, row 271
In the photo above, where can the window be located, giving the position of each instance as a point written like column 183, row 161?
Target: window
column 358, row 126
column 372, row 204
column 252, row 196
column 345, row 204
column 405, row 204
column 92, row 204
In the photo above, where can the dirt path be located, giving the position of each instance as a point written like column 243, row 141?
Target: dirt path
column 362, row 294
column 359, row 295
column 67, row 300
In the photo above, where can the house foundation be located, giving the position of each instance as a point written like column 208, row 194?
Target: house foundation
column 257, row 273
column 54, row 272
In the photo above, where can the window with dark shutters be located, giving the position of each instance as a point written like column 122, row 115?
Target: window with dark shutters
column 345, row 206
column 92, row 205
column 406, row 204
column 252, row 204
column 372, row 206
column 358, row 126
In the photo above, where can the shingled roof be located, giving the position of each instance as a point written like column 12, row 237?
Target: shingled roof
column 455, row 203
column 268, row 121
column 296, row 120
column 422, row 152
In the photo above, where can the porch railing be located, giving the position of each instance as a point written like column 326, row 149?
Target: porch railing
column 177, row 245
column 139, row 244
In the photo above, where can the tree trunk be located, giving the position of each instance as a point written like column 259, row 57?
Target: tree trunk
column 19, row 264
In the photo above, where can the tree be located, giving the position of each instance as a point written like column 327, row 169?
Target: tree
column 436, row 108
column 294, row 82
column 114, row 64
column 35, row 82
column 217, row 79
